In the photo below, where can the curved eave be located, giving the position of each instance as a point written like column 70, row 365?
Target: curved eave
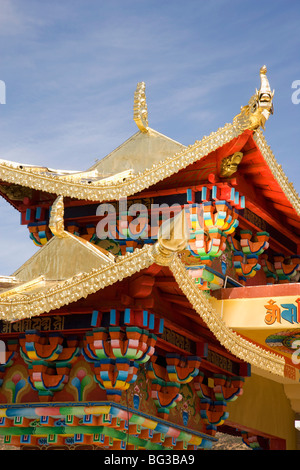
column 103, row 190
column 27, row 305
column 291, row 195
column 131, row 184
column 43, row 299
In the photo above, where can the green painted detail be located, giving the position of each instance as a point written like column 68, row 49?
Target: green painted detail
column 51, row 432
column 72, row 410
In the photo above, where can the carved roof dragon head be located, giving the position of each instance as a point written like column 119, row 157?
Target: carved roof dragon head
column 260, row 106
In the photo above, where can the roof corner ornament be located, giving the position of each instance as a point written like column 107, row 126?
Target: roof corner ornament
column 56, row 222
column 173, row 237
column 229, row 165
column 140, row 112
column 259, row 108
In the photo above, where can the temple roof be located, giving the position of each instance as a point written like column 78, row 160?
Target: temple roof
column 138, row 153
column 146, row 159
column 52, row 260
column 149, row 160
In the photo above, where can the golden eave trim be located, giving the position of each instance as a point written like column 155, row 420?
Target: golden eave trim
column 107, row 190
column 251, row 117
column 277, row 171
column 80, row 286
column 22, row 287
column 84, row 284
column 234, row 343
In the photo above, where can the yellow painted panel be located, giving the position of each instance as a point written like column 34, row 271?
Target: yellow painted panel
column 257, row 312
column 265, row 407
column 95, row 410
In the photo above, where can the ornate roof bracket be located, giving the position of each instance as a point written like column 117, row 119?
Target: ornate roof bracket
column 140, row 112
column 173, row 237
column 259, row 108
column 56, row 222
column 229, row 165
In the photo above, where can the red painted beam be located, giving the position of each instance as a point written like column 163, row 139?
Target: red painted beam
column 252, row 292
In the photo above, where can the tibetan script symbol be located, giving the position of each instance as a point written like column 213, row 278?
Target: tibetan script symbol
column 273, row 313
column 290, row 313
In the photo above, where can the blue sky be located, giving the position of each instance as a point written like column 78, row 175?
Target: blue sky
column 71, row 69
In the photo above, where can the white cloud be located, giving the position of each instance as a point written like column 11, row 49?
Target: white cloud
column 15, row 20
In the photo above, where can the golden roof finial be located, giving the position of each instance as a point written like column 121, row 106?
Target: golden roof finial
column 264, row 83
column 264, row 94
column 56, row 222
column 173, row 237
column 260, row 106
column 140, row 112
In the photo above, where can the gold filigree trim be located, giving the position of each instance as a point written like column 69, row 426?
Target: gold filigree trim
column 28, row 305
column 56, row 222
column 103, row 190
column 237, row 345
column 23, row 306
column 140, row 111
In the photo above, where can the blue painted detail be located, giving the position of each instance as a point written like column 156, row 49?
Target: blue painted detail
column 28, row 214
column 189, row 195
column 237, row 198
column 151, row 321
column 145, row 318
column 127, row 315
column 113, row 317
column 161, row 428
column 87, row 419
column 232, row 193
column 94, row 318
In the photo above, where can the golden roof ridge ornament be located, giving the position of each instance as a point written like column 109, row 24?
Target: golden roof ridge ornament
column 56, row 222
column 173, row 237
column 259, row 108
column 229, row 165
column 140, row 111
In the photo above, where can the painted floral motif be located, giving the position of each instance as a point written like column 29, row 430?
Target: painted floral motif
column 80, row 382
column 187, row 405
column 15, row 384
column 138, row 393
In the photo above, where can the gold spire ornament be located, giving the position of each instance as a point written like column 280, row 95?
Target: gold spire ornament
column 56, row 222
column 140, row 112
column 259, row 108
